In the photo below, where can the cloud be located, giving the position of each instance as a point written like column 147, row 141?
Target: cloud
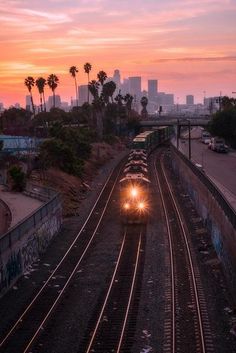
column 219, row 58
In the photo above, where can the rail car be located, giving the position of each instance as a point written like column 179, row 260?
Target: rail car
column 135, row 183
column 134, row 198
column 148, row 140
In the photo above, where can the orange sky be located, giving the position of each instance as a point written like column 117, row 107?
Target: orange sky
column 188, row 45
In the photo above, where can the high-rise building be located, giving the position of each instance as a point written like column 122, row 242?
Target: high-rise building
column 83, row 95
column 28, row 103
column 116, row 78
column 1, row 107
column 125, row 86
column 135, row 86
column 190, row 99
column 165, row 98
column 152, row 89
column 50, row 102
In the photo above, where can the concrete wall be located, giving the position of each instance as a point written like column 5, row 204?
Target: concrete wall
column 22, row 245
column 218, row 218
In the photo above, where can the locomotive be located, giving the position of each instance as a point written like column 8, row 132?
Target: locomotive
column 134, row 183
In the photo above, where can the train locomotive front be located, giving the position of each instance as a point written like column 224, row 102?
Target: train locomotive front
column 134, row 198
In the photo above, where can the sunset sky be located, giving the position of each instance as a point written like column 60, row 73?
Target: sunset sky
column 188, row 45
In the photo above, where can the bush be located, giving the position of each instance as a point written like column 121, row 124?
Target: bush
column 18, row 178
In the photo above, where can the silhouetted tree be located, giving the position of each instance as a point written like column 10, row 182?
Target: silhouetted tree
column 73, row 71
column 29, row 83
column 87, row 69
column 102, row 76
column 41, row 83
column 53, row 82
column 144, row 103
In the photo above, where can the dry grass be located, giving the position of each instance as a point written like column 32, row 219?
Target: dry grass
column 73, row 188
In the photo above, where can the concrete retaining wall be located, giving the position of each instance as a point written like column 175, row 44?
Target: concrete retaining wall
column 218, row 216
column 22, row 245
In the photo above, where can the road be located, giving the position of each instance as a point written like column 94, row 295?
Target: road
column 220, row 167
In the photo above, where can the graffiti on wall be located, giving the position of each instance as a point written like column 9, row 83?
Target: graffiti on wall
column 35, row 243
column 39, row 240
column 11, row 270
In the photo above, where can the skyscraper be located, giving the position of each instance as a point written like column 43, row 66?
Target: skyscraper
column 116, row 78
column 83, row 94
column 190, row 99
column 152, row 89
column 135, row 86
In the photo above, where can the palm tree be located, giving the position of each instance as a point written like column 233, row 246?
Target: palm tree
column 29, row 83
column 108, row 91
column 53, row 82
column 40, row 83
column 73, row 71
column 144, row 103
column 128, row 102
column 87, row 69
column 102, row 76
column 93, row 88
column 119, row 99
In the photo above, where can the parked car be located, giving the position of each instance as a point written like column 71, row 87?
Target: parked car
column 206, row 137
column 217, row 144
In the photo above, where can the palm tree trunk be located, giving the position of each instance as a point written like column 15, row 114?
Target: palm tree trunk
column 54, row 100
column 44, row 102
column 76, row 93
column 31, row 97
column 88, row 87
column 41, row 102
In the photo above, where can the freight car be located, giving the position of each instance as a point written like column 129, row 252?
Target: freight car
column 149, row 140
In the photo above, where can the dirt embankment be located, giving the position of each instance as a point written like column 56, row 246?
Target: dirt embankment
column 72, row 188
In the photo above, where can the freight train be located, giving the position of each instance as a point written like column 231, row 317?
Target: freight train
column 134, row 183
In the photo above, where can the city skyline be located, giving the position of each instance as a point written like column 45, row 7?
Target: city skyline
column 187, row 46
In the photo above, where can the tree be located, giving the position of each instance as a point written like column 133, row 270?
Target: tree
column 119, row 98
column 87, row 69
column 144, row 103
column 16, row 121
column 73, row 71
column 128, row 102
column 41, row 83
column 223, row 124
column 93, row 88
column 29, row 83
column 102, row 76
column 108, row 90
column 53, row 82
column 18, row 178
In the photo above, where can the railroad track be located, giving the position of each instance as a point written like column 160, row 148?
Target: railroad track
column 21, row 335
column 186, row 326
column 113, row 327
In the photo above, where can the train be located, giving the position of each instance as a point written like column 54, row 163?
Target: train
column 135, row 183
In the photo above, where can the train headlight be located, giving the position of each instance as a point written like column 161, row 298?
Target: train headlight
column 126, row 206
column 141, row 206
column 134, row 192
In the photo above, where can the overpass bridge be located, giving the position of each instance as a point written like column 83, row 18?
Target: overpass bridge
column 178, row 121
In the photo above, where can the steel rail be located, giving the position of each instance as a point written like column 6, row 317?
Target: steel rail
column 130, row 295
column 20, row 319
column 181, row 222
column 107, row 295
column 171, row 260
column 99, row 320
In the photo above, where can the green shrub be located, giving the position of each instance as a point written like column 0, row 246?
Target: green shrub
column 18, row 178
